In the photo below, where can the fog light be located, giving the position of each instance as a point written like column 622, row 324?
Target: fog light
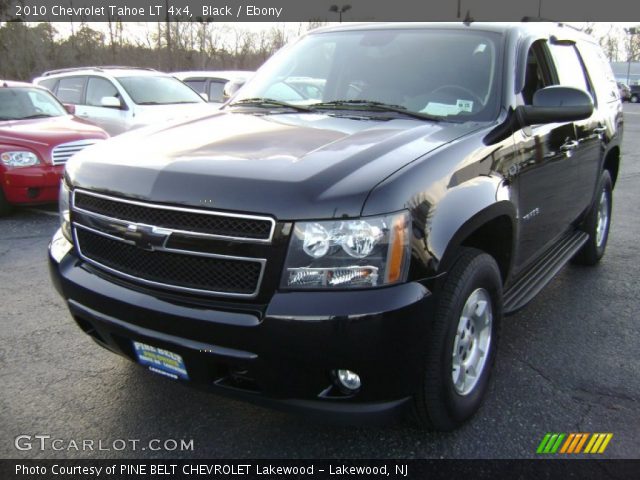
column 348, row 380
column 59, row 246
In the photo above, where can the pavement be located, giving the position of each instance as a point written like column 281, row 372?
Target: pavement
column 569, row 362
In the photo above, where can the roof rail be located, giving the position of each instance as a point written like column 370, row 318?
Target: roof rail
column 541, row 19
column 96, row 69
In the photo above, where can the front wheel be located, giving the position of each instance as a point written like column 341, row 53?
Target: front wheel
column 596, row 224
column 634, row 98
column 462, row 342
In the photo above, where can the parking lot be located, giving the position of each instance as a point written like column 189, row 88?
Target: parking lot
column 567, row 363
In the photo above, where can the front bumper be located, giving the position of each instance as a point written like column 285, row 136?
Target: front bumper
column 281, row 354
column 37, row 184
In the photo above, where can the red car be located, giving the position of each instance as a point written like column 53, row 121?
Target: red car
column 37, row 136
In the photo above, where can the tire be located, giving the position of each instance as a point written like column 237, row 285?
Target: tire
column 596, row 225
column 634, row 98
column 5, row 207
column 442, row 403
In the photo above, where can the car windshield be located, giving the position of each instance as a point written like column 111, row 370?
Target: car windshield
column 435, row 72
column 22, row 103
column 158, row 90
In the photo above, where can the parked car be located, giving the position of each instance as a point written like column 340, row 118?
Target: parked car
column 352, row 256
column 625, row 92
column 119, row 99
column 37, row 137
column 211, row 84
column 634, row 93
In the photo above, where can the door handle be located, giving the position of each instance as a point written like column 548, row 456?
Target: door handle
column 569, row 145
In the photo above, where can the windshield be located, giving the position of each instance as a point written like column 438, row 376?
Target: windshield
column 21, row 103
column 440, row 73
column 157, row 90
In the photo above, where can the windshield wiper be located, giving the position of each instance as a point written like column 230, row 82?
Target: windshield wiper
column 371, row 105
column 36, row 115
column 261, row 102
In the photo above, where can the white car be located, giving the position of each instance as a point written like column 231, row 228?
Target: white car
column 211, row 83
column 119, row 99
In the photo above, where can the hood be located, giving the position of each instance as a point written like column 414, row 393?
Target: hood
column 291, row 166
column 47, row 132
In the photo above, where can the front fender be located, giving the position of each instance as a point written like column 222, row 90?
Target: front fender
column 465, row 209
column 450, row 193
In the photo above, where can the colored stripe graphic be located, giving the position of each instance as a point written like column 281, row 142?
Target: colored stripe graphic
column 551, row 443
column 598, row 443
column 555, row 447
column 543, row 443
column 594, row 437
column 581, row 442
column 567, row 443
column 577, row 439
column 603, row 447
column 573, row 443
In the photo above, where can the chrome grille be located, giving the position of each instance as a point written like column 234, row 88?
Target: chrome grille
column 63, row 152
column 171, row 269
column 249, row 228
column 139, row 243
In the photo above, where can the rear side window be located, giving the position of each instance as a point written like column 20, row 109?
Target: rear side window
column 216, row 89
column 98, row 88
column 70, row 90
column 198, row 85
column 49, row 83
column 569, row 67
column 599, row 71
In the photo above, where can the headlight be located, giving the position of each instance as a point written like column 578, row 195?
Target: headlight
column 367, row 252
column 21, row 158
column 63, row 208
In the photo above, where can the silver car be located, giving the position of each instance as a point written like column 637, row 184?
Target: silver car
column 119, row 99
column 210, row 84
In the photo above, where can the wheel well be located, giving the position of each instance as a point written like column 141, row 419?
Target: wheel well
column 612, row 163
column 495, row 238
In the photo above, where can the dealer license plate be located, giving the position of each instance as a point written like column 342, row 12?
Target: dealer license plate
column 161, row 361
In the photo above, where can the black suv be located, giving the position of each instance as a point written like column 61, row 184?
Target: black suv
column 352, row 254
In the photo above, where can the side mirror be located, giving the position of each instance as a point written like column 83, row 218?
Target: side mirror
column 556, row 104
column 70, row 108
column 110, row 102
column 231, row 87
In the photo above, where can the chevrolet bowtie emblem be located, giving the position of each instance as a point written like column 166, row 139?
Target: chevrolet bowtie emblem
column 146, row 237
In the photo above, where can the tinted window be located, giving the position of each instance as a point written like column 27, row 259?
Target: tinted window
column 439, row 72
column 216, row 91
column 569, row 67
column 537, row 73
column 49, row 83
column 599, row 71
column 98, row 88
column 198, row 85
column 70, row 90
column 156, row 90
